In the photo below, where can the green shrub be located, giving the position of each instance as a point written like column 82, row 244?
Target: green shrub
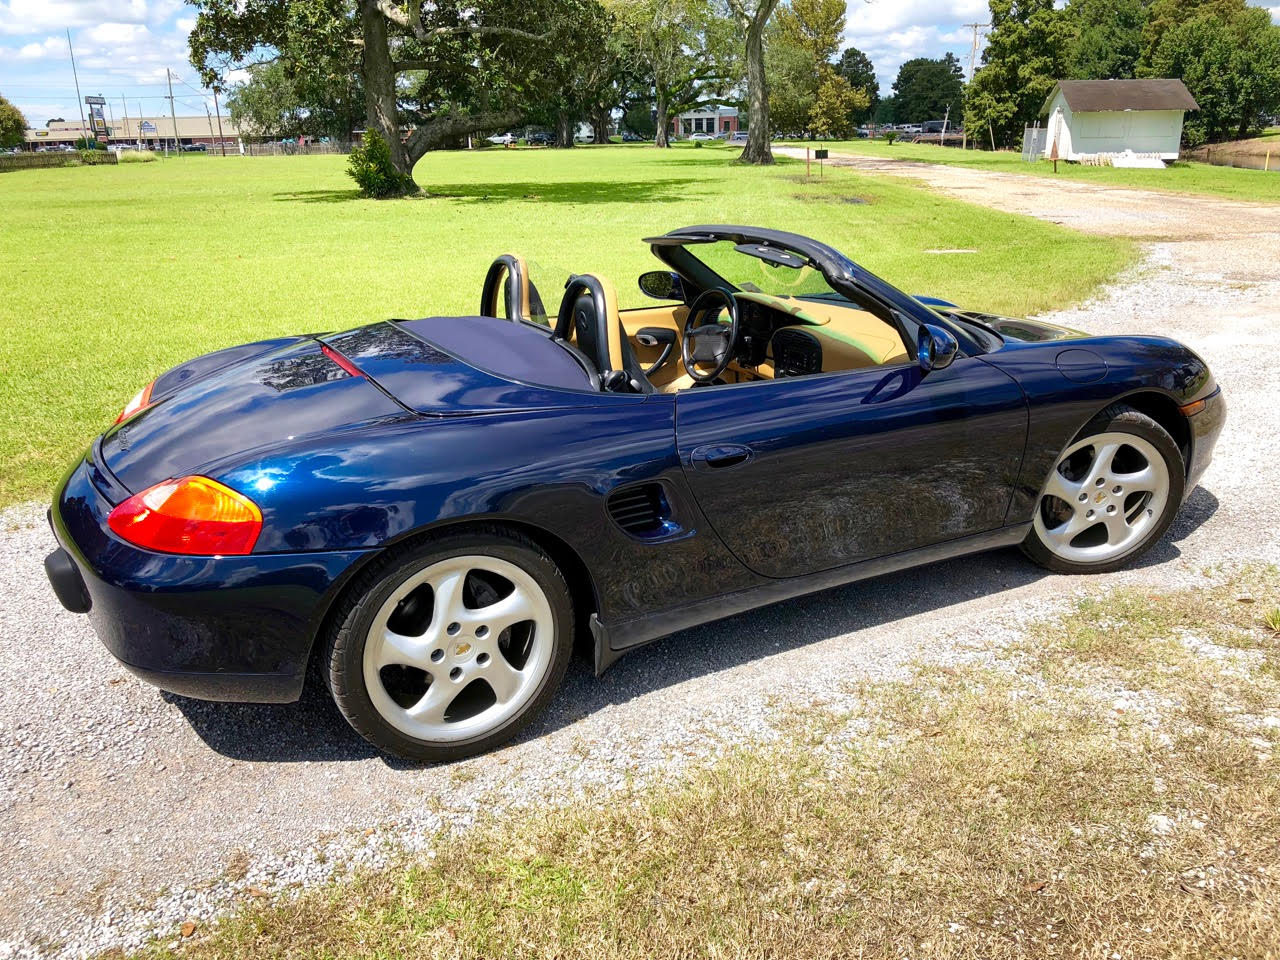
column 96, row 157
column 371, row 168
column 890, row 136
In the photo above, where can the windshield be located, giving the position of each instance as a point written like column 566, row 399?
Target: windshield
column 748, row 272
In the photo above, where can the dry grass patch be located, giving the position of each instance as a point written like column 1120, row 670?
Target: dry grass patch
column 1004, row 810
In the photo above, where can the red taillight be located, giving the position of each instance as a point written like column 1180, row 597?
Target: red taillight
column 194, row 515
column 141, row 400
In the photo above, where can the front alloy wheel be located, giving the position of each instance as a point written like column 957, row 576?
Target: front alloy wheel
column 449, row 650
column 1112, row 493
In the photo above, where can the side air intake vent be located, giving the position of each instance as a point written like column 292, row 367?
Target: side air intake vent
column 642, row 511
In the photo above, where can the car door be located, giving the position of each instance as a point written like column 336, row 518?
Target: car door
column 803, row 474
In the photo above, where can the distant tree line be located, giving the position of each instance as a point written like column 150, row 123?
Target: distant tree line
column 1226, row 52
column 423, row 76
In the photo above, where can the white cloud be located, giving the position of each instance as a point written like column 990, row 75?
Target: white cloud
column 24, row 17
column 892, row 32
column 881, row 17
column 50, row 47
column 117, row 34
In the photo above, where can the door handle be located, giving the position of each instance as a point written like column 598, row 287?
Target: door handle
column 718, row 455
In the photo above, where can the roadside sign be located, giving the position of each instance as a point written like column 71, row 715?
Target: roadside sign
column 147, row 127
column 819, row 154
column 96, row 101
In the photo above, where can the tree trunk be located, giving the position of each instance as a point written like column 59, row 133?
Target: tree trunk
column 757, row 149
column 600, row 124
column 660, row 138
column 564, row 129
column 379, row 77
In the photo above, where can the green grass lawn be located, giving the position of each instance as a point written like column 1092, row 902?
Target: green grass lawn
column 1182, row 177
column 110, row 275
column 1000, row 809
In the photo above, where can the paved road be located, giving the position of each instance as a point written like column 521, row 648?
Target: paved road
column 125, row 810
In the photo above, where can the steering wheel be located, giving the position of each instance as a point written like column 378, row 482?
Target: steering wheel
column 709, row 342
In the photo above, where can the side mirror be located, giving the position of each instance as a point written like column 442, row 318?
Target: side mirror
column 662, row 285
column 935, row 348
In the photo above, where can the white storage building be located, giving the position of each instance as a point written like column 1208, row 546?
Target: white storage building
column 1097, row 119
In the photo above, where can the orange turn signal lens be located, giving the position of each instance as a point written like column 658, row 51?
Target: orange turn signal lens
column 1191, row 409
column 194, row 515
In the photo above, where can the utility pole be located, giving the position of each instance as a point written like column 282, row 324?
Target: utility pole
column 173, row 113
column 79, row 99
column 973, row 62
column 208, row 116
column 218, row 111
column 124, row 103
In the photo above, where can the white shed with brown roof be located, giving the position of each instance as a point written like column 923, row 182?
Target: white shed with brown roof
column 1094, row 119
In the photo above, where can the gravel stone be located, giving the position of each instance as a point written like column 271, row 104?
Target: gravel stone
column 128, row 812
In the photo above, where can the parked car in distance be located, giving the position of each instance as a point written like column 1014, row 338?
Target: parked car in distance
column 629, row 137
column 541, row 139
column 194, row 148
column 701, row 137
column 738, row 136
column 502, row 139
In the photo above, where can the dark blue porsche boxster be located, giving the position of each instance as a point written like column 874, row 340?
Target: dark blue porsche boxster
column 428, row 512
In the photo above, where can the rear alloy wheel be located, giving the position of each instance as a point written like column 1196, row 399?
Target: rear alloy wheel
column 452, row 648
column 1111, row 495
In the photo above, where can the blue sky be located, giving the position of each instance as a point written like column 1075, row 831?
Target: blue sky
column 124, row 46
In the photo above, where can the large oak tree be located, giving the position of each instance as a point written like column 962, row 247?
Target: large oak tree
column 431, row 72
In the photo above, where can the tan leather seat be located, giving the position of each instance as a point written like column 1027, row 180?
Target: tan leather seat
column 589, row 320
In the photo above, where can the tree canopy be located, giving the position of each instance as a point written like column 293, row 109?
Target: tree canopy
column 1231, row 66
column 812, row 25
column 1026, row 54
column 682, row 53
column 273, row 103
column 13, row 126
column 1107, row 41
column 925, row 88
column 856, row 67
column 430, row 73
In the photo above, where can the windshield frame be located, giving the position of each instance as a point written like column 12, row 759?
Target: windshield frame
column 861, row 287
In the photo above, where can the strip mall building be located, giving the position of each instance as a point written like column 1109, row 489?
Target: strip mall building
column 149, row 132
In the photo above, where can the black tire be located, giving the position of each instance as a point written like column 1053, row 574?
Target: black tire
column 343, row 653
column 1119, row 418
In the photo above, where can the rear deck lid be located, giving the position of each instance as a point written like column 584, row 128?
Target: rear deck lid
column 287, row 393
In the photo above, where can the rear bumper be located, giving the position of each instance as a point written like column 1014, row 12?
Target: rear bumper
column 214, row 628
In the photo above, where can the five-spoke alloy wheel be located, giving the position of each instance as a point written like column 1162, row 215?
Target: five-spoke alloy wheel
column 1112, row 493
column 450, row 649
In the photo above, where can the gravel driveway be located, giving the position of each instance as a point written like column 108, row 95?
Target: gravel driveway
column 126, row 811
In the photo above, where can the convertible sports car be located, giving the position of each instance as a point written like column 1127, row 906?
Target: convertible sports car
column 427, row 513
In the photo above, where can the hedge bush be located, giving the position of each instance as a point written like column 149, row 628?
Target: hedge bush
column 371, row 168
